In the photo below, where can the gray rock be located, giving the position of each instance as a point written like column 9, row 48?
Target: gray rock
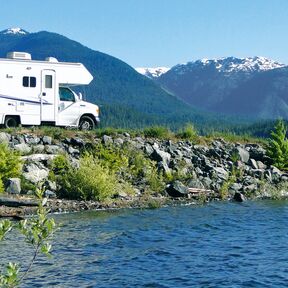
column 239, row 197
column 148, row 149
column 257, row 152
column 35, row 173
column 47, row 140
column 198, row 171
column 4, row 137
column 284, row 177
column 118, row 141
column 126, row 134
column 23, row 148
column 276, row 171
column 78, row 142
column 207, row 182
column 221, row 173
column 73, row 151
column 38, row 148
column 253, row 163
column 243, row 154
column 38, row 158
column 107, row 140
column 177, row 189
column 195, row 183
column 50, row 194
column 159, row 155
column 235, row 187
column 31, row 139
column 250, row 188
column 261, row 165
column 13, row 186
column 53, row 149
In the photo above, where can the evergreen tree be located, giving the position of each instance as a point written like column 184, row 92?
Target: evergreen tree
column 277, row 148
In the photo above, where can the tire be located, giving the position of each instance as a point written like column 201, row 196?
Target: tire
column 86, row 123
column 11, row 122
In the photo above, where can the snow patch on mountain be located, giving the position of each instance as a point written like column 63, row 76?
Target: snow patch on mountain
column 15, row 31
column 152, row 72
column 230, row 65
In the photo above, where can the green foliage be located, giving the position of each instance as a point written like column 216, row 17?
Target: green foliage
column 10, row 279
column 60, row 164
column 224, row 189
column 188, row 132
column 10, row 164
column 5, row 227
column 159, row 132
column 37, row 232
column 91, row 181
column 277, row 148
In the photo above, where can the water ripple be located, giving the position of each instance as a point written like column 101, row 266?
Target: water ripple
column 217, row 245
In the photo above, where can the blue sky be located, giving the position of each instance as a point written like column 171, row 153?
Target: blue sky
column 160, row 32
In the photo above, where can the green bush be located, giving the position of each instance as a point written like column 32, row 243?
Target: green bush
column 159, row 132
column 10, row 164
column 189, row 132
column 91, row 181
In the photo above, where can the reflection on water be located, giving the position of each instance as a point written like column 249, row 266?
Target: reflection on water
column 217, row 245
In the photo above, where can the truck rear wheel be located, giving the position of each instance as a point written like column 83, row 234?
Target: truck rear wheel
column 11, row 122
column 86, row 123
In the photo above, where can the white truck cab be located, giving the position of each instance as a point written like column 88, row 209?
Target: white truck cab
column 39, row 92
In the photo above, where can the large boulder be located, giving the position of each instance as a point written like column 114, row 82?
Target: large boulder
column 35, row 172
column 177, row 189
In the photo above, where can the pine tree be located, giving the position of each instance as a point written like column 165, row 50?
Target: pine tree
column 277, row 148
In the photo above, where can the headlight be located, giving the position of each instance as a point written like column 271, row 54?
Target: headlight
column 97, row 110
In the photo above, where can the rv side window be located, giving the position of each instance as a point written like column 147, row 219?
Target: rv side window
column 48, row 81
column 29, row 81
column 66, row 94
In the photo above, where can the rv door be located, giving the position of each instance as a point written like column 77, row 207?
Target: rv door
column 47, row 96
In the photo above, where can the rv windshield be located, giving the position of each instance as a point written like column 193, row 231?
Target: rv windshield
column 65, row 94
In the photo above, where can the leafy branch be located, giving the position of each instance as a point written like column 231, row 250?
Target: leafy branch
column 37, row 232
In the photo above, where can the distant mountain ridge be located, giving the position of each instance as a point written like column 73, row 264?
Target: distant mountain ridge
column 249, row 87
column 126, row 98
column 152, row 72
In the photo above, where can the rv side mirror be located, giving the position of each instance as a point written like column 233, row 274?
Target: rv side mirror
column 80, row 96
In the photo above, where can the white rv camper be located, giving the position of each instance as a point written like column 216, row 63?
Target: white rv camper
column 38, row 92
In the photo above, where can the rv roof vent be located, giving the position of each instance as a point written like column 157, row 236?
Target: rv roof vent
column 51, row 59
column 19, row 55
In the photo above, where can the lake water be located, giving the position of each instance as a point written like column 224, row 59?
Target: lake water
column 216, row 245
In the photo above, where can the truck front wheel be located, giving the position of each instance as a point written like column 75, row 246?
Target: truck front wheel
column 11, row 122
column 86, row 123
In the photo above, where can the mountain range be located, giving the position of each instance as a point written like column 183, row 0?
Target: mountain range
column 126, row 98
column 254, row 87
column 203, row 92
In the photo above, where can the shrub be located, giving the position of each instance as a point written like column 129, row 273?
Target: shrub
column 10, row 164
column 157, row 132
column 188, row 132
column 91, row 181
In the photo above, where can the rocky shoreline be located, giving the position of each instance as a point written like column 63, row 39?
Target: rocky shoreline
column 218, row 170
